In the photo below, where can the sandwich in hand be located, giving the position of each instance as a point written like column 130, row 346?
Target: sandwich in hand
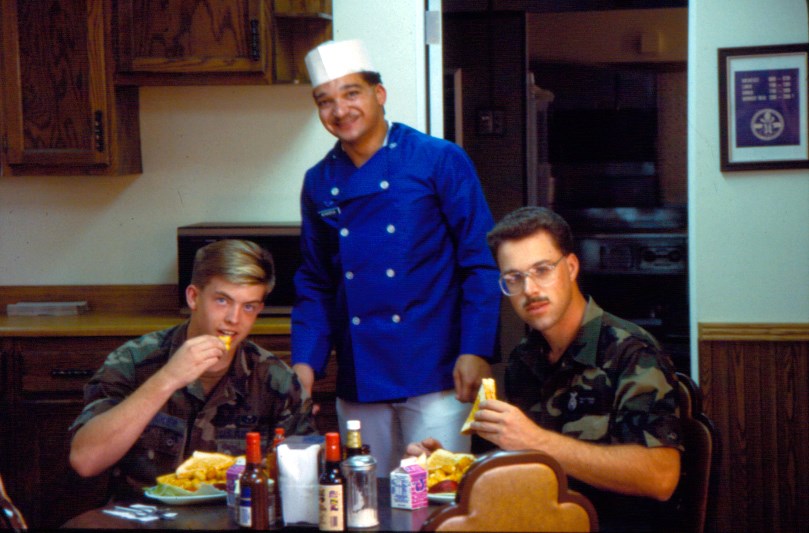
column 487, row 391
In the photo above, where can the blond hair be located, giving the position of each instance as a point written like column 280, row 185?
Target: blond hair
column 237, row 261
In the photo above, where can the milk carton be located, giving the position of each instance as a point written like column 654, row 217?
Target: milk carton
column 232, row 486
column 408, row 486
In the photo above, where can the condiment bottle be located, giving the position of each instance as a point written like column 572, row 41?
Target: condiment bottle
column 272, row 472
column 331, row 493
column 254, row 491
column 353, row 438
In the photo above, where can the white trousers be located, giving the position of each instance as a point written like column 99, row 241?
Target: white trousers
column 389, row 427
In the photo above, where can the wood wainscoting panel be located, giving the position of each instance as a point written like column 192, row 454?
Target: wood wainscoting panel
column 757, row 393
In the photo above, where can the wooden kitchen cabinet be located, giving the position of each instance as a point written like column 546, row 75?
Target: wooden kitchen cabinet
column 45, row 380
column 300, row 25
column 227, row 42
column 62, row 115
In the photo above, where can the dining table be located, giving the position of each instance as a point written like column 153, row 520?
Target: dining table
column 215, row 516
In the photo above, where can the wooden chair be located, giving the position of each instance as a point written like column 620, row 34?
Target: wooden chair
column 515, row 491
column 694, row 497
column 10, row 516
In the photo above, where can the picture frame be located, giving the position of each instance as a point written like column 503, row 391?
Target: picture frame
column 763, row 113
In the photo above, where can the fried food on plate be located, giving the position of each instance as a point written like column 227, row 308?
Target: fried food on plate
column 487, row 391
column 445, row 469
column 201, row 467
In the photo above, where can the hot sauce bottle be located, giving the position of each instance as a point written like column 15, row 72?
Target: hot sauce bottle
column 331, row 501
column 254, row 491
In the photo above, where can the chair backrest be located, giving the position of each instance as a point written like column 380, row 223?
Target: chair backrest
column 10, row 516
column 693, row 498
column 515, row 491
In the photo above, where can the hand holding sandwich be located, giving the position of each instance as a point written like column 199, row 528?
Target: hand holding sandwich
column 506, row 426
column 468, row 372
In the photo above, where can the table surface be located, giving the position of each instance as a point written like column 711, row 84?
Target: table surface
column 215, row 517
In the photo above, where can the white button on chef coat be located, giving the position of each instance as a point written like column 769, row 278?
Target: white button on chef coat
column 384, row 184
column 356, row 321
column 396, row 319
column 391, row 228
column 349, row 275
column 344, row 232
column 335, row 191
column 390, row 272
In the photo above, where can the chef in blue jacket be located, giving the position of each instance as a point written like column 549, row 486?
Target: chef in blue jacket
column 396, row 273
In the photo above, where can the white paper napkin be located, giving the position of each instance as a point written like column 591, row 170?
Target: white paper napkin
column 298, row 472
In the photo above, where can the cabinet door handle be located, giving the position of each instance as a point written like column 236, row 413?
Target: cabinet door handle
column 68, row 373
column 255, row 41
column 98, row 130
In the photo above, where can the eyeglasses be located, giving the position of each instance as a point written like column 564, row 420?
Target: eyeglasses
column 513, row 283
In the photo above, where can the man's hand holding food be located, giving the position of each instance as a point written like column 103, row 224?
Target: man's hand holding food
column 196, row 356
column 468, row 373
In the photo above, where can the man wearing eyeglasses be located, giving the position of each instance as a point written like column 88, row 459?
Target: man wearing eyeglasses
column 592, row 390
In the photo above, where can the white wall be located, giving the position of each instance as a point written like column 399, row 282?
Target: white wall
column 749, row 231
column 209, row 154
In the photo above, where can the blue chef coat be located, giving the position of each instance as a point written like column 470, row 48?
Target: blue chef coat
column 396, row 272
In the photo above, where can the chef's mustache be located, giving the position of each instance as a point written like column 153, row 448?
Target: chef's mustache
column 535, row 299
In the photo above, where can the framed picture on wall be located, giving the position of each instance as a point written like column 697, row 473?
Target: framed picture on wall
column 763, row 107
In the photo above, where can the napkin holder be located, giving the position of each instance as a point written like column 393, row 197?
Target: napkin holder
column 299, row 466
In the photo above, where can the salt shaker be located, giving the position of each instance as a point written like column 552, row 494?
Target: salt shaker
column 361, row 497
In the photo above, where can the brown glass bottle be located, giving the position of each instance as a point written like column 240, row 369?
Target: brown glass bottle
column 331, row 497
column 254, row 493
column 272, row 472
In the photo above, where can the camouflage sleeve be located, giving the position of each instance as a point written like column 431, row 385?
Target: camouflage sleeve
column 646, row 401
column 295, row 411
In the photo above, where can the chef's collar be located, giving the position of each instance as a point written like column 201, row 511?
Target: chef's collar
column 387, row 133
column 384, row 141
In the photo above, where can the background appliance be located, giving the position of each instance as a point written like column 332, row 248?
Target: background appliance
column 282, row 240
column 634, row 263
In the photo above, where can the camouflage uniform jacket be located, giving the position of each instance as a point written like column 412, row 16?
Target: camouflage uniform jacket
column 613, row 385
column 259, row 393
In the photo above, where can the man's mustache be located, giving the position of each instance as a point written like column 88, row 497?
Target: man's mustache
column 535, row 299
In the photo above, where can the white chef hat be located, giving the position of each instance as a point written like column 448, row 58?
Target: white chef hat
column 335, row 59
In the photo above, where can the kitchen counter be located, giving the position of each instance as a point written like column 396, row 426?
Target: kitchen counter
column 95, row 324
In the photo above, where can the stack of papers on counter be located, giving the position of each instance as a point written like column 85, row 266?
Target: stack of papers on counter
column 47, row 308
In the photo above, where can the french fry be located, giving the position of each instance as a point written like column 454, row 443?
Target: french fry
column 443, row 465
column 226, row 339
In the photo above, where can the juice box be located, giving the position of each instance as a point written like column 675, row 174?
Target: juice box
column 408, row 486
column 232, row 486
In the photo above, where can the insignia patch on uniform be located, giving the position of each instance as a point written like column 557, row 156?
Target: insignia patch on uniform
column 577, row 399
column 329, row 212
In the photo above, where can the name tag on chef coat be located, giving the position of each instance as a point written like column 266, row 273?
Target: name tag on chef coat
column 329, row 212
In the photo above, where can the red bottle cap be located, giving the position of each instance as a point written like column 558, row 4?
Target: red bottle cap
column 333, row 452
column 253, row 451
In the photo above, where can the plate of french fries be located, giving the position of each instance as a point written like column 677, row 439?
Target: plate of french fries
column 201, row 478
column 444, row 471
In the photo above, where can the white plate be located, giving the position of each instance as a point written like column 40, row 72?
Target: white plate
column 185, row 500
column 441, row 497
